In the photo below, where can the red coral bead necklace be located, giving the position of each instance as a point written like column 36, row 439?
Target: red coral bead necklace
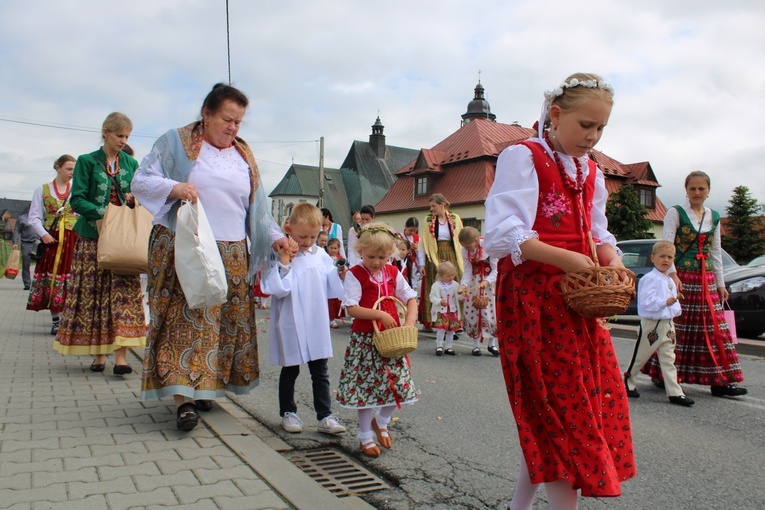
column 574, row 185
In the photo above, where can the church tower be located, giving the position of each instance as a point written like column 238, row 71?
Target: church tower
column 478, row 108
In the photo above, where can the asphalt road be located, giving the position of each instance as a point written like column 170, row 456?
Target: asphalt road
column 457, row 448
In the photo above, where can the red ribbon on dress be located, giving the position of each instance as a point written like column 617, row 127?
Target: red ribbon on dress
column 707, row 297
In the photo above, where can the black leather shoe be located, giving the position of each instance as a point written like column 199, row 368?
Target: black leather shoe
column 122, row 369
column 97, row 367
column 476, row 351
column 630, row 393
column 682, row 400
column 439, row 351
column 657, row 382
column 204, row 405
column 186, row 417
column 450, row 352
column 729, row 390
column 493, row 350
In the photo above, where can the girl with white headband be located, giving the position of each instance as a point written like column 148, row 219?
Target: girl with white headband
column 562, row 375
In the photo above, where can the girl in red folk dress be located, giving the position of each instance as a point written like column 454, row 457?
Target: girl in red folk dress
column 374, row 385
column 477, row 287
column 562, row 375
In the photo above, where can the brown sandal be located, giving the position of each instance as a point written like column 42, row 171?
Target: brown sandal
column 370, row 449
column 383, row 436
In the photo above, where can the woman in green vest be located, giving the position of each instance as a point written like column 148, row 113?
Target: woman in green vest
column 103, row 311
column 51, row 215
column 705, row 353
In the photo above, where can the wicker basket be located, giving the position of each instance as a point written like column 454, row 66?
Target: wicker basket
column 480, row 301
column 598, row 291
column 394, row 342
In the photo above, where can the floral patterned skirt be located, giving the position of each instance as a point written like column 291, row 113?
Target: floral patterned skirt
column 205, row 352
column 564, row 385
column 480, row 323
column 368, row 380
column 448, row 321
column 52, row 277
column 446, row 253
column 103, row 311
column 696, row 362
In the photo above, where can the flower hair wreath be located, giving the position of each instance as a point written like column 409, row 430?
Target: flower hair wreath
column 376, row 230
column 550, row 95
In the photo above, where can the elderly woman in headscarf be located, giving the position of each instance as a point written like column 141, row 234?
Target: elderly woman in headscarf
column 196, row 355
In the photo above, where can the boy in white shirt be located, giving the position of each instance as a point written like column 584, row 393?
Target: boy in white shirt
column 299, row 332
column 657, row 306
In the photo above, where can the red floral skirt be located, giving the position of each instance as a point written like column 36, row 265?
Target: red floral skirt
column 565, row 387
column 52, row 276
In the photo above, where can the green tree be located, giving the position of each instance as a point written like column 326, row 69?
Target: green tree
column 627, row 217
column 744, row 235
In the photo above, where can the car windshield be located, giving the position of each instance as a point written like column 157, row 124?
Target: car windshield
column 728, row 262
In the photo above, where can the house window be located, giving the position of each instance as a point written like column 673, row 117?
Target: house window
column 647, row 197
column 472, row 222
column 421, row 187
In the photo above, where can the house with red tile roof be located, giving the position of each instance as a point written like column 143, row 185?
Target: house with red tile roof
column 462, row 168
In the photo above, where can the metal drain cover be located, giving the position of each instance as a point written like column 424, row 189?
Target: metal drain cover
column 335, row 472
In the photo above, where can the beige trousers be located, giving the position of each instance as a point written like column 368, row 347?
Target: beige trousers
column 659, row 337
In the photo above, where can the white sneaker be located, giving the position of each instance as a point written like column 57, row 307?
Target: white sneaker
column 291, row 422
column 330, row 425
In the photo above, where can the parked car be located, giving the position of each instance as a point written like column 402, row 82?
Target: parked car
column 746, row 285
column 757, row 261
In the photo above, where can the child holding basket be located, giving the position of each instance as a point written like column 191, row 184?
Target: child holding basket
column 369, row 382
column 562, row 375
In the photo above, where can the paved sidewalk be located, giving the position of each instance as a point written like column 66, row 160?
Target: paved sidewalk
column 70, row 438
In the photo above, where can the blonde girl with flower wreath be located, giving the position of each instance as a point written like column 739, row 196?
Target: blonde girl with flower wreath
column 562, row 375
column 445, row 307
column 438, row 243
column 479, row 276
column 369, row 382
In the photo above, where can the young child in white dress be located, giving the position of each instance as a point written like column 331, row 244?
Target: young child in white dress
column 299, row 332
column 445, row 308
column 479, row 275
column 368, row 381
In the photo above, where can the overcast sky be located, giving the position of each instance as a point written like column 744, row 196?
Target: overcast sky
column 689, row 76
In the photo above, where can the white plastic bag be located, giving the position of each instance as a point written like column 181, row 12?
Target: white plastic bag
column 197, row 259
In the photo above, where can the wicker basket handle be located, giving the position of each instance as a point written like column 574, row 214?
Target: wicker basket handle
column 399, row 306
column 593, row 249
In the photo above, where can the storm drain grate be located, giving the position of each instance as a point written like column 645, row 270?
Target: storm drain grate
column 335, row 472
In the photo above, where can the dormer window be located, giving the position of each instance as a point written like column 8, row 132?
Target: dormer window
column 648, row 197
column 421, row 186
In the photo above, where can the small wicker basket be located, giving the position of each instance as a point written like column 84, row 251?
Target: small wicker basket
column 394, row 342
column 480, row 301
column 598, row 291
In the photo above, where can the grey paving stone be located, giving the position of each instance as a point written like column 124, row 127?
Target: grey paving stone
column 124, row 448
column 216, row 475
column 87, row 474
column 163, row 496
column 52, row 494
column 251, row 486
column 113, row 459
column 113, row 473
column 82, row 452
column 169, row 467
column 10, row 445
column 80, row 490
column 213, row 490
column 268, row 501
column 137, row 458
column 18, row 481
column 182, row 478
column 203, row 504
column 93, row 502
column 50, row 465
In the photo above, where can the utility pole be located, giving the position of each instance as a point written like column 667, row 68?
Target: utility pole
column 321, row 172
